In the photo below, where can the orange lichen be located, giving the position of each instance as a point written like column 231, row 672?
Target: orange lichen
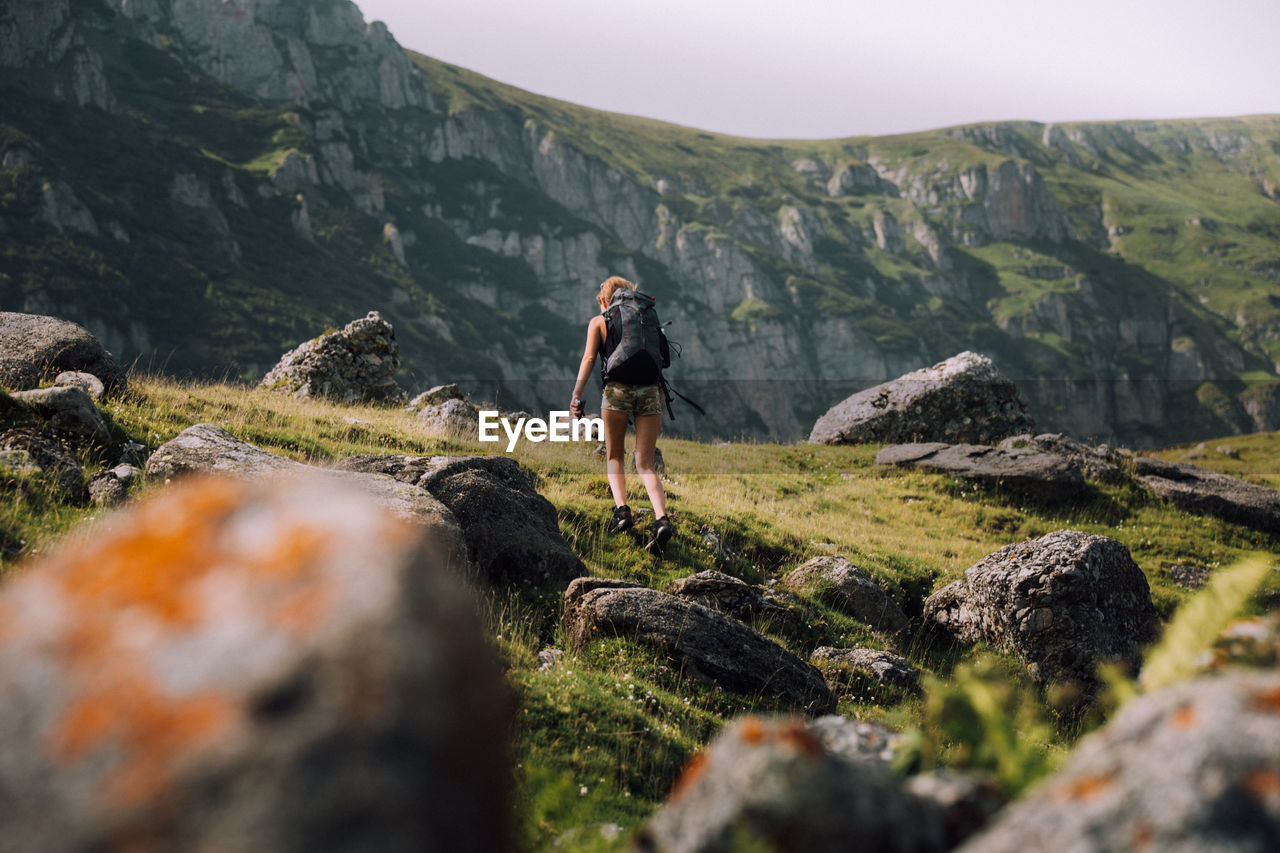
column 693, row 771
column 1087, row 787
column 798, row 736
column 1268, row 701
column 1263, row 783
column 1143, row 835
column 751, row 730
column 1184, row 717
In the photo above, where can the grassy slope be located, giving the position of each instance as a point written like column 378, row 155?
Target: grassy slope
column 618, row 721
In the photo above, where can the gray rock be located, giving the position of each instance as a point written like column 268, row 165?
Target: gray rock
column 846, row 587
column 512, row 532
column 35, row 347
column 110, row 488
column 69, row 410
column 1200, row 491
column 732, row 597
column 1063, row 604
column 435, row 396
column 890, row 670
column 1101, row 463
column 1046, row 476
column 31, row 452
column 773, row 784
column 713, row 646
column 86, row 382
column 550, row 658
column 1192, row 767
column 209, row 449
column 962, row 399
column 856, row 740
column 966, row 801
column 452, row 418
column 250, row 665
column 357, row 364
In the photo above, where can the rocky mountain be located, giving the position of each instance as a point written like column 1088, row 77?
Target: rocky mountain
column 206, row 184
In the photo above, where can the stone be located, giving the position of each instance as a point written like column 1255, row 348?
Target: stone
column 1045, row 476
column 1188, row 575
column 86, row 382
column 1200, row 491
column 1063, row 604
column 856, row 740
column 512, row 532
column 733, row 597
column 210, row 449
column 250, row 665
column 1102, row 463
column 110, row 488
column 964, row 399
column 1193, row 767
column 550, row 658
column 966, row 801
column 35, row 347
column 846, row 587
column 69, row 410
column 26, row 451
column 357, row 364
column 712, row 646
column 772, row 784
column 435, row 396
column 453, row 418
column 885, row 668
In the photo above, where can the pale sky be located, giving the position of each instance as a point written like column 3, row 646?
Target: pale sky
column 830, row 68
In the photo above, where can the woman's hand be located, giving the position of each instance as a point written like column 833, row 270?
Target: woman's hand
column 577, row 407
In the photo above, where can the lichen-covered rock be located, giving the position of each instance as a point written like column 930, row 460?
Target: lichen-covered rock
column 1200, row 491
column 249, row 665
column 67, row 409
column 966, row 801
column 712, row 646
column 733, row 597
column 1102, row 463
column 856, row 739
column 26, row 451
column 435, row 396
column 961, row 400
column 357, row 364
column 774, row 785
column 35, row 347
column 885, row 668
column 846, row 587
column 86, row 382
column 1046, row 476
column 1192, row 767
column 110, row 488
column 452, row 418
column 1063, row 604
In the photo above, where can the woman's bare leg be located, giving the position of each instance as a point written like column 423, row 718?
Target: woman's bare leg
column 647, row 429
column 615, row 446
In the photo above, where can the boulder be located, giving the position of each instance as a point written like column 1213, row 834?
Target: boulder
column 435, row 396
column 357, row 364
column 250, row 665
column 713, row 646
column 33, row 347
column 846, row 587
column 86, row 382
column 966, row 801
column 1102, row 463
column 773, row 785
column 512, row 532
column 1200, row 491
column 885, row 668
column 1193, row 767
column 452, row 418
column 110, row 488
column 733, row 597
column 1063, row 604
column 856, row 739
column 69, row 410
column 961, row 400
column 209, row 449
column 26, row 451
column 1045, row 476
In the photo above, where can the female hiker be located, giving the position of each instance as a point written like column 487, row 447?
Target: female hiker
column 626, row 336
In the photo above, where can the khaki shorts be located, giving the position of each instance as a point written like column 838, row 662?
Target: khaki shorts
column 635, row 400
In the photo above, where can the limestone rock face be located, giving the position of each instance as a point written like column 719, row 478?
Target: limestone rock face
column 713, row 646
column 357, row 364
column 774, row 783
column 850, row 589
column 35, row 347
column 1192, row 767
column 1047, row 476
column 961, row 400
column 1203, row 492
column 250, row 665
column 1063, row 604
column 28, row 29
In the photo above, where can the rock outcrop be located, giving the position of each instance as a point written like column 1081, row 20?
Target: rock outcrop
column 68, row 410
column 1192, row 767
column 35, row 347
column 1203, row 492
column 265, row 665
column 357, row 364
column 961, row 400
column 29, row 452
column 1046, row 476
column 712, row 646
column 885, row 669
column 1063, row 603
column 1102, row 463
column 848, row 588
column 733, row 597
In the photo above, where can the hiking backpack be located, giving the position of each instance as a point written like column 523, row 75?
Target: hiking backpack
column 635, row 348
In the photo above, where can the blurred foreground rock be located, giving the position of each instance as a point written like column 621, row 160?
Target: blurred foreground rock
column 357, row 364
column 35, row 347
column 275, row 664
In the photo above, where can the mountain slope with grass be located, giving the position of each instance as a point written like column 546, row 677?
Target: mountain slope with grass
column 207, row 184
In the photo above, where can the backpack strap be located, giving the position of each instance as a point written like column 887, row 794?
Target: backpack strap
column 667, row 391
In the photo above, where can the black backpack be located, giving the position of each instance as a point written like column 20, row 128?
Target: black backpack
column 635, row 349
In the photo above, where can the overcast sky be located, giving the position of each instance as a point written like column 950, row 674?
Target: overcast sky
column 829, row 68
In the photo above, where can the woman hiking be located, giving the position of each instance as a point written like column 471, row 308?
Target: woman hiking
column 639, row 401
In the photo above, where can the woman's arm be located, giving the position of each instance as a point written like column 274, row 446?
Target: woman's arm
column 576, row 406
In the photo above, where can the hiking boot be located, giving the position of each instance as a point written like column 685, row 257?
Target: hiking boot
column 659, row 535
column 622, row 519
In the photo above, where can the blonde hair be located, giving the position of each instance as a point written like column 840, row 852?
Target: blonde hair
column 612, row 284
